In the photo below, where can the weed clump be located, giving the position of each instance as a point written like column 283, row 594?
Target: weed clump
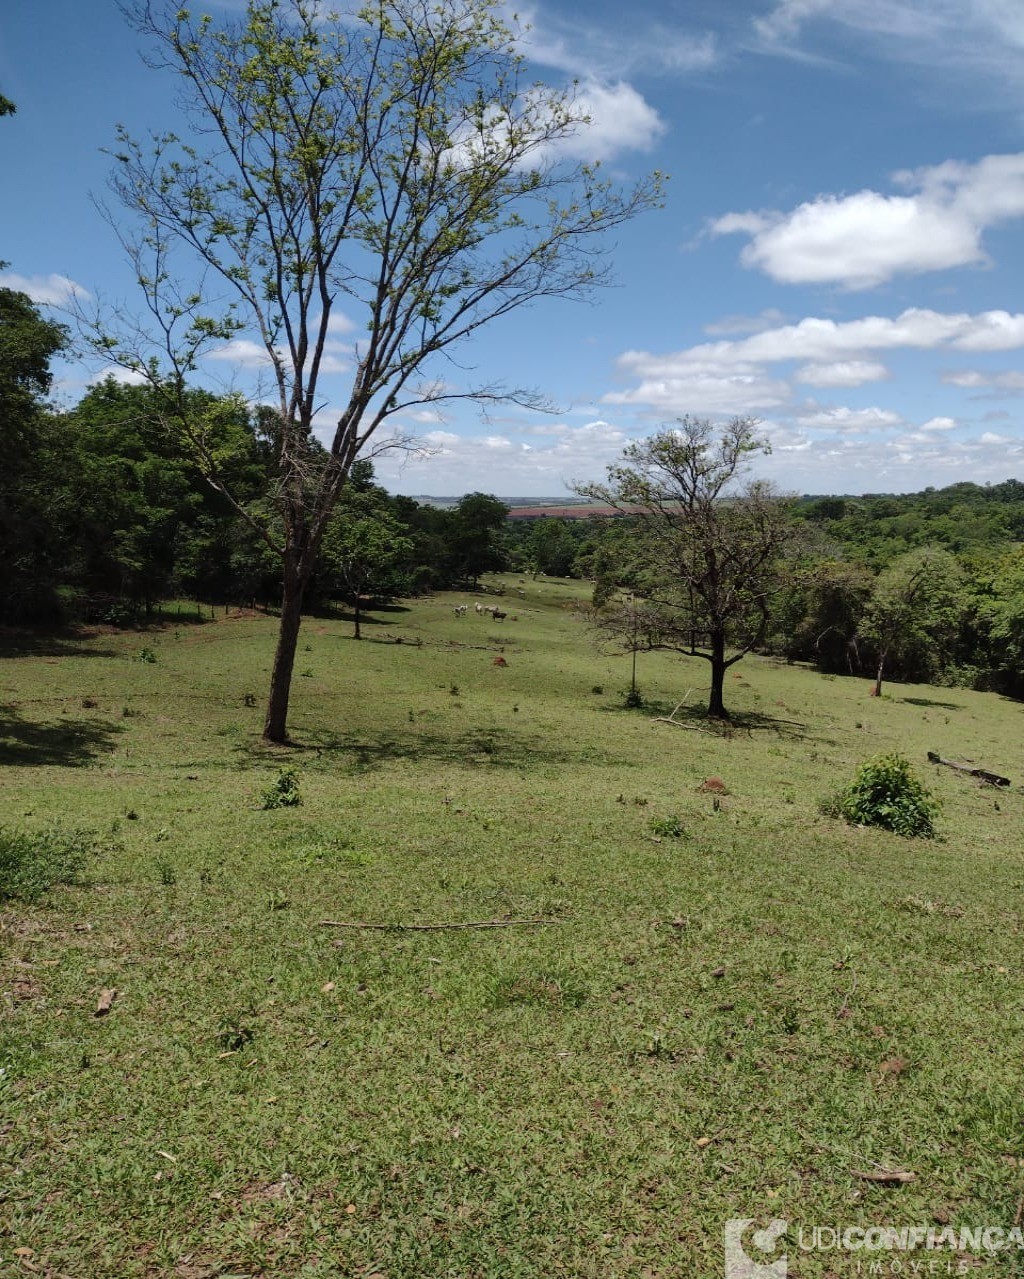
column 283, row 791
column 31, row 863
column 886, row 793
column 667, row 827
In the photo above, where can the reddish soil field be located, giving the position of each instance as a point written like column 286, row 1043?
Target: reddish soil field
column 559, row 512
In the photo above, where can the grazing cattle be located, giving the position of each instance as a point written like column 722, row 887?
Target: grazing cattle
column 498, row 615
column 479, row 608
column 461, row 610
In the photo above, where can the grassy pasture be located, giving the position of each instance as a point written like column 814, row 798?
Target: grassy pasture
column 733, row 1022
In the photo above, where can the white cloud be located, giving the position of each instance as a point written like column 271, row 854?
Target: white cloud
column 247, row 354
column 460, row 463
column 820, row 341
column 867, row 238
column 607, row 118
column 587, row 50
column 339, row 322
column 979, row 41
column 47, row 290
column 619, row 120
column 680, row 390
column 243, row 352
column 127, row 377
column 842, row 373
column 973, row 379
column 741, row 376
column 850, row 420
column 994, row 331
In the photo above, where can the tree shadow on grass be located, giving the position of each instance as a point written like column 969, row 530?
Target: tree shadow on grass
column 928, row 701
column 697, row 718
column 66, row 643
column 68, row 743
column 497, row 747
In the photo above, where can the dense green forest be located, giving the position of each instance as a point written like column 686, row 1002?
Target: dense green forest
column 104, row 512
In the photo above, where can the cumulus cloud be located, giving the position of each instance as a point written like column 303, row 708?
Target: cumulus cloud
column 680, row 389
column 850, row 420
column 867, row 238
column 842, row 373
column 243, row 352
column 127, row 377
column 47, row 290
column 246, row 354
column 818, row 341
column 743, row 375
column 544, row 466
column 620, row 120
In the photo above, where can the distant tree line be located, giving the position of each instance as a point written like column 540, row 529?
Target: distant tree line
column 104, row 513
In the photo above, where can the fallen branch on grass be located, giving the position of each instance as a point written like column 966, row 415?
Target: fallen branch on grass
column 671, row 719
column 434, row 928
column 887, row 1176
column 983, row 774
column 844, row 1007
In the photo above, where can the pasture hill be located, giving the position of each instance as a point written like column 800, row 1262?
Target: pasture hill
column 481, row 979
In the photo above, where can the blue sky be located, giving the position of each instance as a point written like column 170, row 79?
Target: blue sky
column 840, row 255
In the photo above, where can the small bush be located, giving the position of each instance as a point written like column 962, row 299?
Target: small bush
column 31, row 863
column 145, row 655
column 670, row 827
column 283, row 791
column 633, row 699
column 885, row 793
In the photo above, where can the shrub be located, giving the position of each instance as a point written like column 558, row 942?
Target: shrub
column 666, row 827
column 33, row 862
column 886, row 793
column 283, row 791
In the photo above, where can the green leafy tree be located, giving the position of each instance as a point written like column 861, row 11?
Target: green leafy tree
column 820, row 611
column 475, row 542
column 915, row 611
column 551, row 548
column 140, row 510
column 363, row 546
column 705, row 548
column 394, row 163
column 1002, row 616
column 32, row 541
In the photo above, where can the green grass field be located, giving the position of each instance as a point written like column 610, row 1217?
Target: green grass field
column 737, row 1021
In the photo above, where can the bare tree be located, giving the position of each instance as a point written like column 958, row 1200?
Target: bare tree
column 392, row 162
column 706, row 553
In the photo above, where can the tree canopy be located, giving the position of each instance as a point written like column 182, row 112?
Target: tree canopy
column 706, row 550
column 395, row 165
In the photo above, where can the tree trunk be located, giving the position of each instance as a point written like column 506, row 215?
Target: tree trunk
column 716, row 702
column 275, row 728
column 356, row 633
column 877, row 691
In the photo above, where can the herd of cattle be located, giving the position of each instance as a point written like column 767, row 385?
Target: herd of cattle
column 460, row 610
